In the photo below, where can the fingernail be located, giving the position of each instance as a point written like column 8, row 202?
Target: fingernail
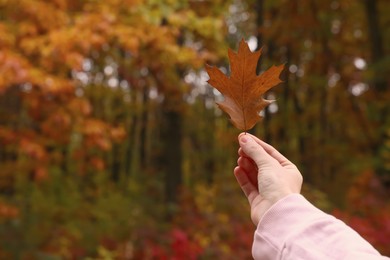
column 243, row 139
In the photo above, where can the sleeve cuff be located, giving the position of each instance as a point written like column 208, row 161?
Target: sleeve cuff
column 284, row 218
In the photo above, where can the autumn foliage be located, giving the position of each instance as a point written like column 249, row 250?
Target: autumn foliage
column 111, row 146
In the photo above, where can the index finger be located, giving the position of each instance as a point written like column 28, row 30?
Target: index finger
column 272, row 152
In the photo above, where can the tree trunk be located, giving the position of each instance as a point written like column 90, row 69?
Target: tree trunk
column 259, row 9
column 130, row 137
column 143, row 131
column 171, row 136
column 374, row 31
column 380, row 85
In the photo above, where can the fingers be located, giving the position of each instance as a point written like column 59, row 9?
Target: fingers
column 241, row 153
column 247, row 187
column 256, row 152
column 272, row 152
column 250, row 168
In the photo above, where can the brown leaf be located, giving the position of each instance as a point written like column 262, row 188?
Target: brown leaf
column 243, row 90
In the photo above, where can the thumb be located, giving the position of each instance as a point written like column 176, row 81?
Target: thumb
column 253, row 150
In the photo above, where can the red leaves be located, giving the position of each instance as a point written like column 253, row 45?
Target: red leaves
column 183, row 247
column 368, row 211
column 175, row 244
column 373, row 226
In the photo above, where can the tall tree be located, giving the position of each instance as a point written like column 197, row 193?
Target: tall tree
column 379, row 82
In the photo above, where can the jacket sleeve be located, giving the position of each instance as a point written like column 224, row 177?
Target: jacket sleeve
column 295, row 229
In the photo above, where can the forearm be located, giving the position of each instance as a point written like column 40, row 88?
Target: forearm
column 295, row 229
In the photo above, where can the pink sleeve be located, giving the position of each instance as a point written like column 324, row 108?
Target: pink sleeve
column 294, row 229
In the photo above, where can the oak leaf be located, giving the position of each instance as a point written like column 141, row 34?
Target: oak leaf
column 244, row 89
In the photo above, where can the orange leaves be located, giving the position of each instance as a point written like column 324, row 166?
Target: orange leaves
column 93, row 127
column 13, row 70
column 17, row 70
column 128, row 37
column 80, row 107
column 243, row 90
column 117, row 133
column 7, row 211
column 99, row 134
column 57, row 126
column 44, row 15
column 7, row 136
column 33, row 150
column 7, row 39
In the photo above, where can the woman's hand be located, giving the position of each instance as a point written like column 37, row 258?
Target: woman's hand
column 264, row 175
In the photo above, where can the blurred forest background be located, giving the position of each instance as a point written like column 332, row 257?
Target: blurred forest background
column 111, row 146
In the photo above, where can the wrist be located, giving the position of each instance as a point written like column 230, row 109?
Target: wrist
column 259, row 209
